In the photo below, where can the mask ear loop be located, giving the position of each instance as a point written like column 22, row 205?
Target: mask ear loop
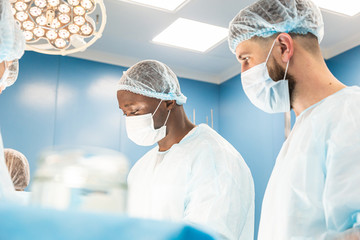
column 167, row 115
column 286, row 69
column 157, row 107
column 167, row 118
column 267, row 58
column 272, row 46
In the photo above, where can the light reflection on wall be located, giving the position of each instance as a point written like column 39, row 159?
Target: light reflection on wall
column 42, row 95
column 104, row 89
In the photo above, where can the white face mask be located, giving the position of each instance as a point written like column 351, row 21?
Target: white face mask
column 263, row 92
column 140, row 129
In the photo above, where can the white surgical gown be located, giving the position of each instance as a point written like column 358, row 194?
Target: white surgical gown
column 314, row 189
column 201, row 180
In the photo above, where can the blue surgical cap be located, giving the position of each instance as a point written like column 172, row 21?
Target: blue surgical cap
column 12, row 41
column 267, row 17
column 153, row 79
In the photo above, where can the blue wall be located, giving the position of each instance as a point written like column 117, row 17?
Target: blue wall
column 346, row 66
column 67, row 101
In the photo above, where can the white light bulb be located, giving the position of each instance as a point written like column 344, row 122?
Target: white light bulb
column 79, row 20
column 21, row 16
column 60, row 43
column 55, row 24
column 63, row 8
column 28, row 25
column 87, row 4
column 40, row 3
column 79, row 10
column 28, row 35
column 64, row 18
column 73, row 28
column 41, row 20
column 73, row 2
column 53, row 3
column 86, row 29
column 35, row 11
column 64, row 33
column 39, row 32
column 20, row 6
column 51, row 35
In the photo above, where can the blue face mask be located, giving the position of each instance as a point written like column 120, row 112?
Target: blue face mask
column 263, row 92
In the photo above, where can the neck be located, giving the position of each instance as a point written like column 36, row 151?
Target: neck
column 312, row 85
column 177, row 127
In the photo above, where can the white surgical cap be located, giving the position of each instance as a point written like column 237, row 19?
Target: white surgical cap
column 12, row 41
column 267, row 17
column 152, row 79
column 18, row 167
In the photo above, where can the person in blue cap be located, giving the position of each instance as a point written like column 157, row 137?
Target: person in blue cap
column 313, row 191
column 192, row 174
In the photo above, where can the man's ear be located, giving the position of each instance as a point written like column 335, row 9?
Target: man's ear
column 170, row 104
column 287, row 46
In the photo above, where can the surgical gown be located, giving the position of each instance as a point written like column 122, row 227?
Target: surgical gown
column 202, row 180
column 314, row 189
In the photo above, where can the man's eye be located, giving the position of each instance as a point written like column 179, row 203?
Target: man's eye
column 134, row 112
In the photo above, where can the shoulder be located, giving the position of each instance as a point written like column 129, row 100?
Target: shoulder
column 209, row 137
column 212, row 151
column 341, row 107
column 341, row 101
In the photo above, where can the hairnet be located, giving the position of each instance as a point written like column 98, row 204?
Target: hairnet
column 11, row 73
column 153, row 79
column 18, row 167
column 12, row 41
column 267, row 17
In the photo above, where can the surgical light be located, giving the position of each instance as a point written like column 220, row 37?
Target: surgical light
column 60, row 26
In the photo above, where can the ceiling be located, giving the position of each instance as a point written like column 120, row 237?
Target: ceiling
column 130, row 29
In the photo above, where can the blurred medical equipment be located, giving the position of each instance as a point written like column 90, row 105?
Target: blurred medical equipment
column 89, row 179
